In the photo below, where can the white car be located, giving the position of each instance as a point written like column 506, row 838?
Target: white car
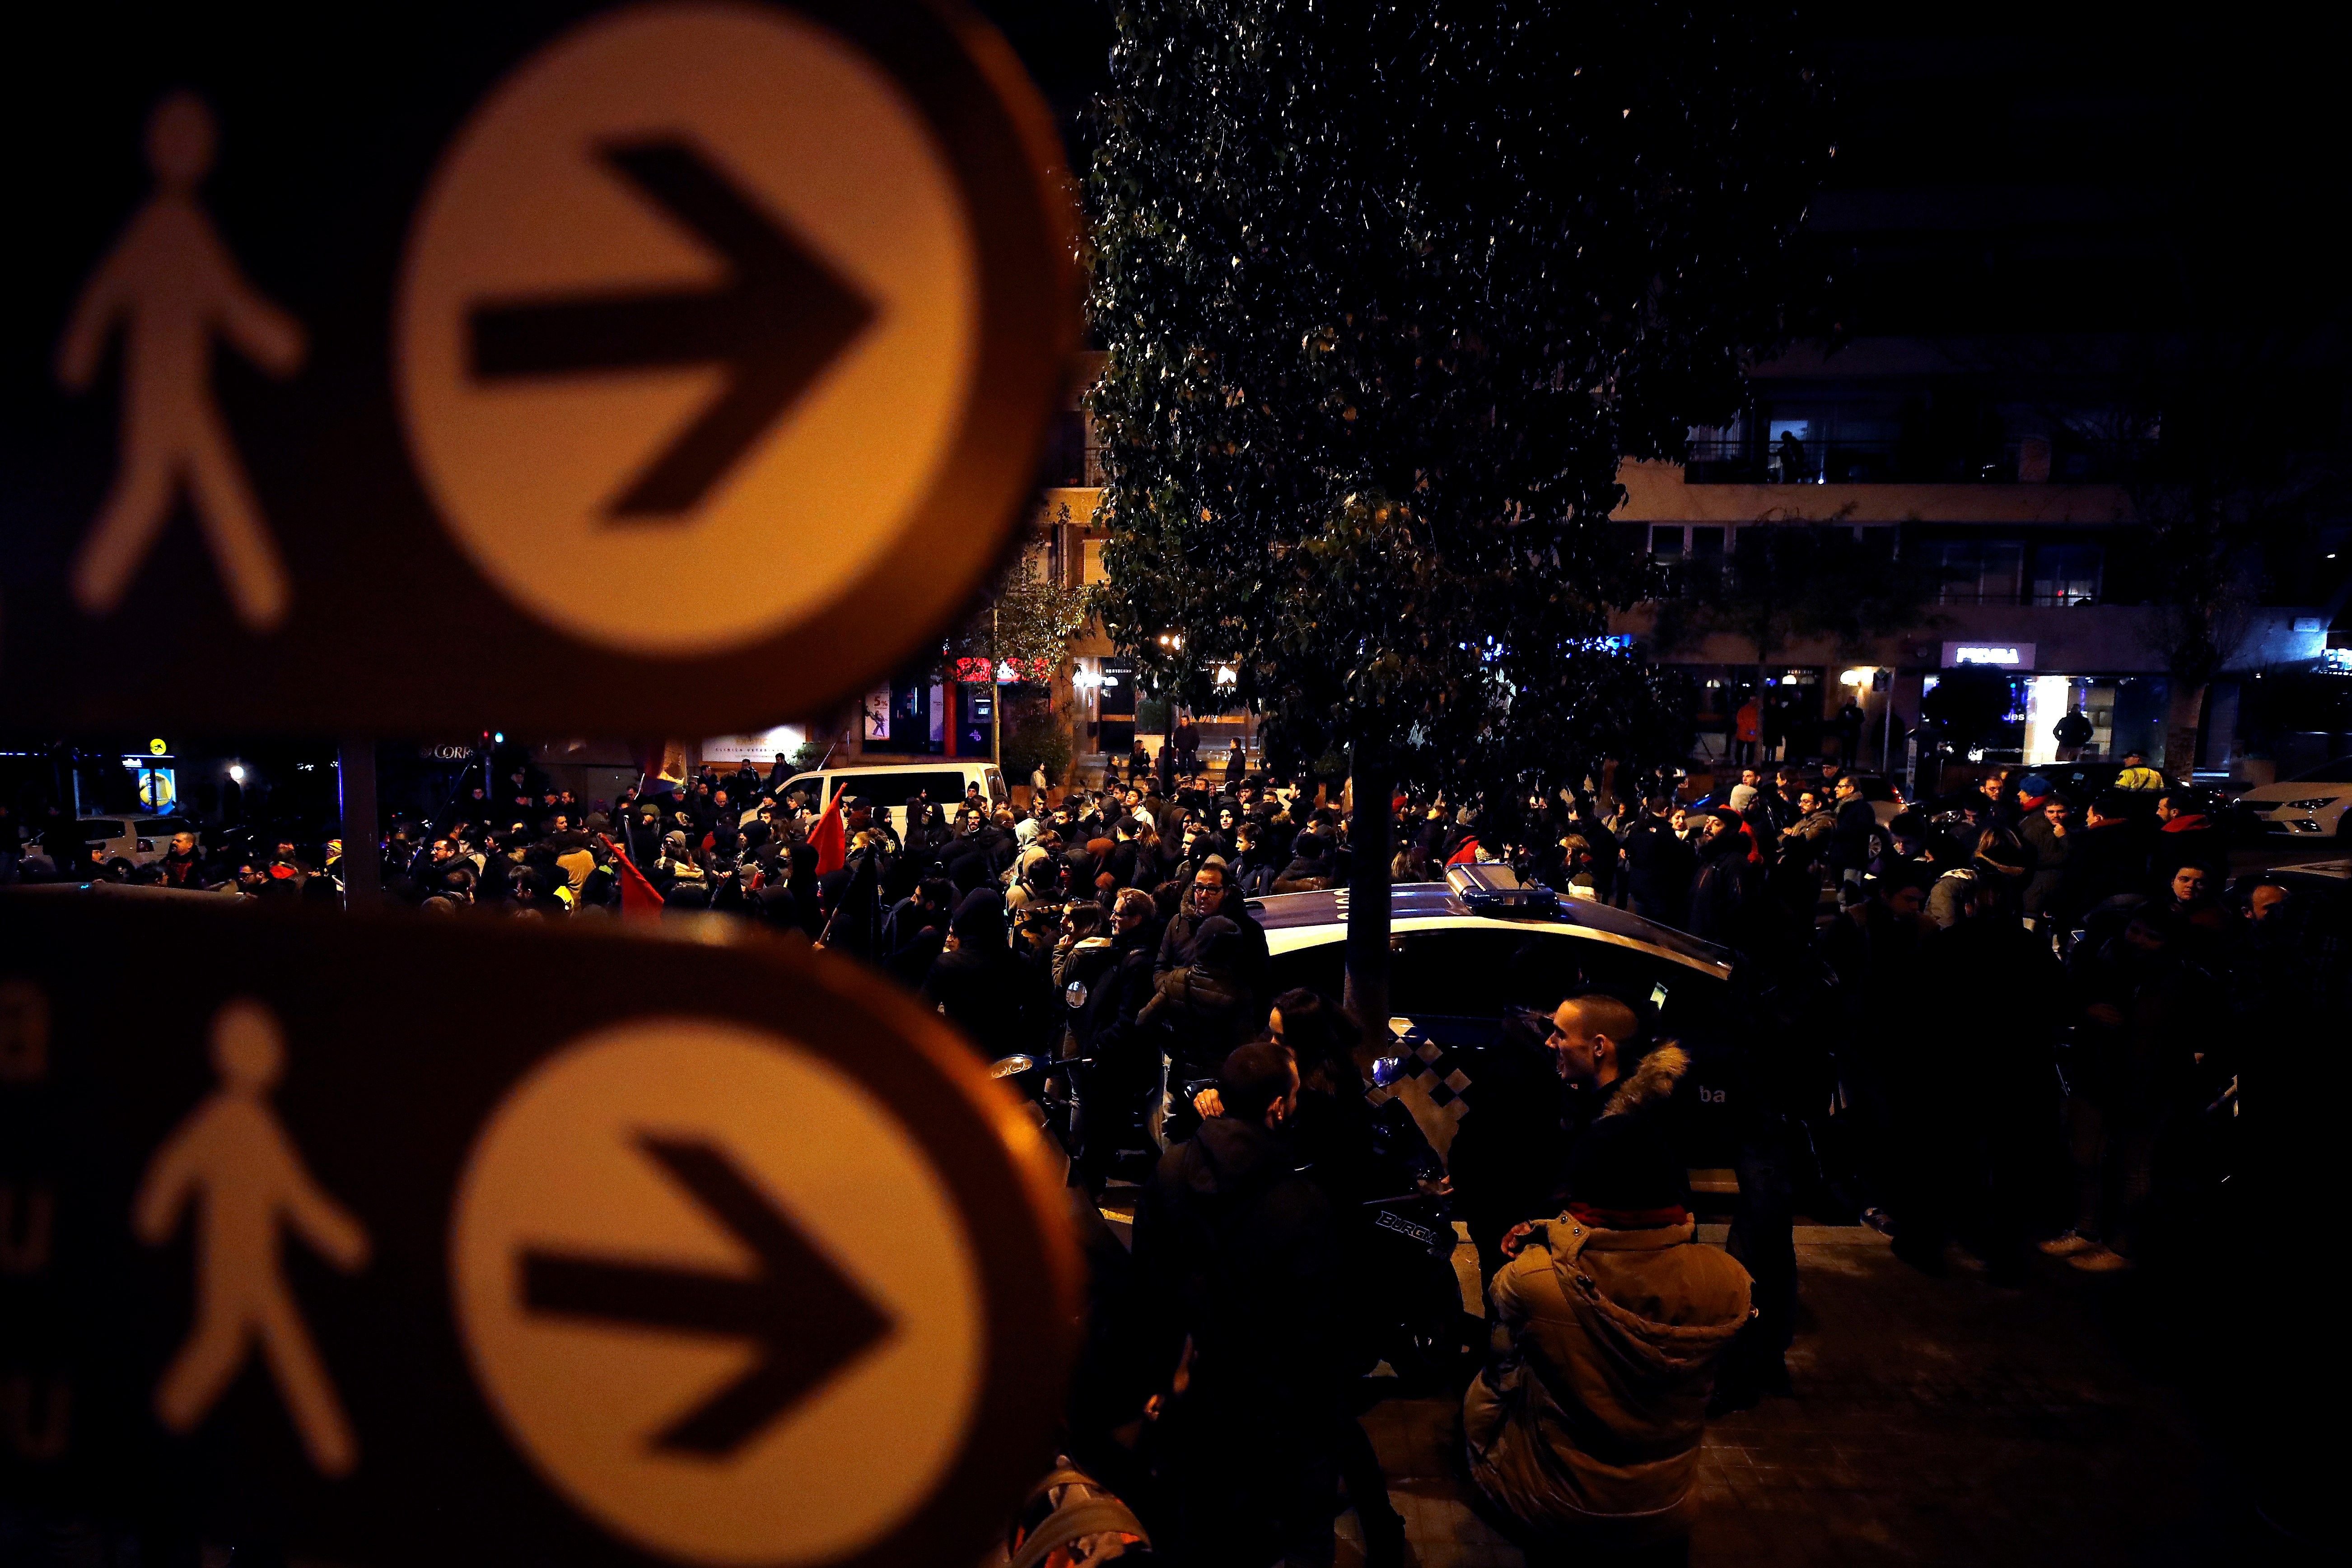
column 132, row 841
column 2317, row 804
column 889, row 788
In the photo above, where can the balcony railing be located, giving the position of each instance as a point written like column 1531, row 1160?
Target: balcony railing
column 1865, row 462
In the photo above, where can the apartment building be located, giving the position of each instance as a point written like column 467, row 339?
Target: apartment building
column 2018, row 242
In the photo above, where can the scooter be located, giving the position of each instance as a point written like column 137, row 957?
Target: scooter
column 1414, row 1297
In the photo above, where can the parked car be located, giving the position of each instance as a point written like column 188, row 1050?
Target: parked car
column 888, row 789
column 128, row 841
column 2314, row 804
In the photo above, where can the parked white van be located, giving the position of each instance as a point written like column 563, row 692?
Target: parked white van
column 889, row 788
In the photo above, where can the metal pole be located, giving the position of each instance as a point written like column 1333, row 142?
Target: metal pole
column 996, row 697
column 1886, row 734
column 363, row 853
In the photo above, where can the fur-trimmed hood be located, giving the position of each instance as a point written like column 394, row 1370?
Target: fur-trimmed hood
column 1652, row 1082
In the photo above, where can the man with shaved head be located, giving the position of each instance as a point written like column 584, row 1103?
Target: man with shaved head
column 1589, row 1037
column 1607, row 1072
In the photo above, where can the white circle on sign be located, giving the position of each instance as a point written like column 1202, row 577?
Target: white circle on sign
column 539, row 434
column 563, row 1195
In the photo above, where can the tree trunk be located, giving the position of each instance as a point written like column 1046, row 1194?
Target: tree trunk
column 1372, row 846
column 2184, row 722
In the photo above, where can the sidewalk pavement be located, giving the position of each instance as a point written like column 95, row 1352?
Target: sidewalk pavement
column 1933, row 1422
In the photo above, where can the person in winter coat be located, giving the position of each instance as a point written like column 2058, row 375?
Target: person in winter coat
column 1239, row 1275
column 2149, row 1012
column 2051, row 838
column 2187, row 834
column 183, row 863
column 1104, row 982
column 1727, row 893
column 1811, row 824
column 677, row 874
column 2109, row 858
column 1658, row 865
column 1212, row 893
column 1973, row 1092
column 1203, row 1011
column 1310, row 867
column 972, row 982
column 1853, row 832
column 1610, row 1323
column 915, row 931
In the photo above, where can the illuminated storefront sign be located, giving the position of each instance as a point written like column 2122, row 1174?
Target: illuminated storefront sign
column 1997, row 655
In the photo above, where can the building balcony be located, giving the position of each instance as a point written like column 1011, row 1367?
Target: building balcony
column 1664, row 492
column 2028, row 461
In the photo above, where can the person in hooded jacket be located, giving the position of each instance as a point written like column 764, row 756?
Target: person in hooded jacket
column 1610, row 1322
column 1239, row 1279
column 677, row 875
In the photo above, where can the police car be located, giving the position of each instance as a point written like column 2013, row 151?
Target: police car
column 1469, row 954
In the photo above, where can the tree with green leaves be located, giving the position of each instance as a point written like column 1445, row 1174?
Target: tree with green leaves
column 1387, row 291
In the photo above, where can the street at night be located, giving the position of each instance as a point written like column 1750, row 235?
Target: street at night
column 1245, row 783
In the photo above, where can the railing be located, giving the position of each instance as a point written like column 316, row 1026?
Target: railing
column 1862, row 462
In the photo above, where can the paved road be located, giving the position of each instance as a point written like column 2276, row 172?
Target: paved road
column 1934, row 1422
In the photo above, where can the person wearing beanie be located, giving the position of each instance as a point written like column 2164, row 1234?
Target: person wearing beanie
column 1610, row 1322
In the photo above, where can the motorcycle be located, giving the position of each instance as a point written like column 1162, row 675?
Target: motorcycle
column 1414, row 1295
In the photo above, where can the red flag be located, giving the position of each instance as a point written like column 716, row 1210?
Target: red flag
column 1465, row 855
column 639, row 897
column 829, row 839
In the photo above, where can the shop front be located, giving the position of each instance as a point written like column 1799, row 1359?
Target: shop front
column 2120, row 713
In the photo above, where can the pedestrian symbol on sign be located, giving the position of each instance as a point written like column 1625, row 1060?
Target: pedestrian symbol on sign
column 173, row 284
column 233, row 1157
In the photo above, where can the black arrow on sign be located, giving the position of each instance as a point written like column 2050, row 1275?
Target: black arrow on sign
column 808, row 1319
column 781, row 316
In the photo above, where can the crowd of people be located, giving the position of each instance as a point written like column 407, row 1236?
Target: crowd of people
column 2004, row 1018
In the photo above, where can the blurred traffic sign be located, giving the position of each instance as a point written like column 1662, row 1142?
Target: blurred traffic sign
column 685, row 366
column 659, row 1251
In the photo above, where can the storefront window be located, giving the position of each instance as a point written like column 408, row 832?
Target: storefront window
column 2126, row 713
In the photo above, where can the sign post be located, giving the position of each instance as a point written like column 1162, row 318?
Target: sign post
column 362, row 859
column 673, row 369
column 674, row 1253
